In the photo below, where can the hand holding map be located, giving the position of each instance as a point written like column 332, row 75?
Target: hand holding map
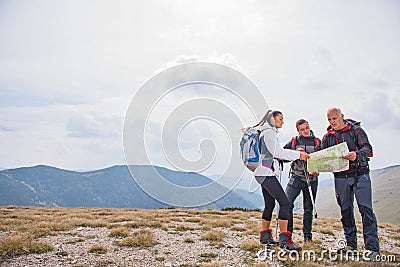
column 330, row 159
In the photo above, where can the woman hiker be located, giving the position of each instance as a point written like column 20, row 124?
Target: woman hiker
column 266, row 175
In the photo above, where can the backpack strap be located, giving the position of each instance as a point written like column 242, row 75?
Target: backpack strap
column 316, row 143
column 294, row 143
column 354, row 126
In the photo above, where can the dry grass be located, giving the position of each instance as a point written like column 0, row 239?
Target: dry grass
column 251, row 245
column 98, row 249
column 312, row 246
column 140, row 238
column 390, row 227
column 21, row 228
column 193, row 220
column 183, row 227
column 327, row 230
column 222, row 222
column 252, row 227
column 144, row 223
column 121, row 218
column 52, row 220
column 119, row 232
column 207, row 257
column 337, row 226
column 238, row 228
column 213, row 212
column 213, row 235
column 297, row 227
column 17, row 244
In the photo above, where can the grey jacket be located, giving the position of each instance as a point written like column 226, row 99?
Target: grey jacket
column 309, row 144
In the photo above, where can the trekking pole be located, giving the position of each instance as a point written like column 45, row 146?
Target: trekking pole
column 277, row 211
column 312, row 197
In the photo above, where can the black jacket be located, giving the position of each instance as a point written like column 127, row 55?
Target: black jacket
column 357, row 140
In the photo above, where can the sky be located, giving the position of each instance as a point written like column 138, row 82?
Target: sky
column 70, row 69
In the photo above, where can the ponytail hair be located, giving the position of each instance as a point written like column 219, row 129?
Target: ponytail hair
column 268, row 118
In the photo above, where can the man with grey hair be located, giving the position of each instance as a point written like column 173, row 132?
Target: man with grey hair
column 353, row 182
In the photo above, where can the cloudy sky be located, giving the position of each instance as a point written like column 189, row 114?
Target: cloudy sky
column 69, row 69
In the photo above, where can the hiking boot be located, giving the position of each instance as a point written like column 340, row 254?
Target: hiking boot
column 285, row 241
column 346, row 249
column 266, row 237
column 372, row 256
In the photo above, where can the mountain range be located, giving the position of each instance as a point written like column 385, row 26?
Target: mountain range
column 111, row 187
column 114, row 187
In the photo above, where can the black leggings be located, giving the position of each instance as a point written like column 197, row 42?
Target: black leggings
column 271, row 190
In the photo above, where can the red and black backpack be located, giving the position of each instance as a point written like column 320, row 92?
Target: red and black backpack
column 294, row 143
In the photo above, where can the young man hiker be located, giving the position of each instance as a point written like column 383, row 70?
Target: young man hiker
column 300, row 180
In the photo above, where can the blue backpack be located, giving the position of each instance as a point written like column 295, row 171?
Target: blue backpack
column 250, row 148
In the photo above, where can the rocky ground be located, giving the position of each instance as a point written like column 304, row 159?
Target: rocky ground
column 181, row 240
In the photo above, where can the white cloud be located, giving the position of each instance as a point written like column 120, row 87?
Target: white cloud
column 80, row 62
column 5, row 127
column 226, row 59
column 94, row 125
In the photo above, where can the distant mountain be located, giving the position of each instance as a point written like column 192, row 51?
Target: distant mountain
column 255, row 198
column 109, row 188
column 385, row 197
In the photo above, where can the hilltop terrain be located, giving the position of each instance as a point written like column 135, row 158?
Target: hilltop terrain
column 33, row 236
column 114, row 187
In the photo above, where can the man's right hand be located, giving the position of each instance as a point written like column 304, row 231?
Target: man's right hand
column 304, row 156
column 351, row 156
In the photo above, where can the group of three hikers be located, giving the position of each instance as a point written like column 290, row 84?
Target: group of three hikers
column 353, row 182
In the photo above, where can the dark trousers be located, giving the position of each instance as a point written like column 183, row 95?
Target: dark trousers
column 360, row 187
column 271, row 190
column 293, row 189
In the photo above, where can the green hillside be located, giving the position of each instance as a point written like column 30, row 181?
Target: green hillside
column 385, row 197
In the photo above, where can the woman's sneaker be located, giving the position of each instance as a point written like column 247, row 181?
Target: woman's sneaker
column 285, row 241
column 266, row 237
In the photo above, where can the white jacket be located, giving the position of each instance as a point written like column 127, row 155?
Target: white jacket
column 271, row 141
